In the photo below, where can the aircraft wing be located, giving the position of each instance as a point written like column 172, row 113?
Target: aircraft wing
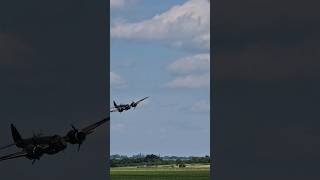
column 7, row 146
column 141, row 100
column 13, row 155
column 113, row 109
column 90, row 129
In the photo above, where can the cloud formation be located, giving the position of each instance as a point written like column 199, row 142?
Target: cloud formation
column 183, row 26
column 198, row 62
column 193, row 72
column 116, row 81
column 200, row 106
column 117, row 3
column 191, row 81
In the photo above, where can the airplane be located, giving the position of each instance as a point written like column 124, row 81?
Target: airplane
column 124, row 107
column 34, row 148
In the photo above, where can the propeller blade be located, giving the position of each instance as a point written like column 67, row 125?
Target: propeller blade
column 79, row 146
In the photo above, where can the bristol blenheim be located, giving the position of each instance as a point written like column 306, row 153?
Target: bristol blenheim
column 125, row 107
column 35, row 147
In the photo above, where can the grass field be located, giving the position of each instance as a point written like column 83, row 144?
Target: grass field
column 191, row 172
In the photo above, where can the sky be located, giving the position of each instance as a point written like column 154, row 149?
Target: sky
column 53, row 72
column 161, row 50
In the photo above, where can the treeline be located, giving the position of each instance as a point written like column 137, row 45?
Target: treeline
column 153, row 160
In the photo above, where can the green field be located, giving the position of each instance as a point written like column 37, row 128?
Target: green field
column 168, row 172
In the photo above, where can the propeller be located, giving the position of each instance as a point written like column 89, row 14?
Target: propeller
column 79, row 146
column 80, row 136
column 37, row 150
column 133, row 104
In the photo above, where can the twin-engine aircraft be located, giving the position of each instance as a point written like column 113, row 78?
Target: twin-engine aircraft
column 124, row 107
column 34, row 148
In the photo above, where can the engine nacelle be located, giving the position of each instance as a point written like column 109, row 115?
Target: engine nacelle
column 133, row 104
column 56, row 145
column 76, row 137
column 34, row 151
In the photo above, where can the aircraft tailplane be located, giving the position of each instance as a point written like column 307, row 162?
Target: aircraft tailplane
column 16, row 136
column 115, row 104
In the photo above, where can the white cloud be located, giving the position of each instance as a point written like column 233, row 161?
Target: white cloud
column 116, row 81
column 116, row 3
column 198, row 62
column 182, row 26
column 194, row 72
column 120, row 3
column 200, row 106
column 191, row 81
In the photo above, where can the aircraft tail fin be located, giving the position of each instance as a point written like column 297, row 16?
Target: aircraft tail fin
column 16, row 136
column 115, row 104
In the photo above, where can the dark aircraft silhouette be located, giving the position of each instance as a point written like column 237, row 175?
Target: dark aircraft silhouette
column 76, row 136
column 124, row 107
column 34, row 148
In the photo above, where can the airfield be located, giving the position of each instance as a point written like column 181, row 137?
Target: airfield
column 162, row 172
column 136, row 168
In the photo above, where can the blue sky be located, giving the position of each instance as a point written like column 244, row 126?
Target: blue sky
column 160, row 50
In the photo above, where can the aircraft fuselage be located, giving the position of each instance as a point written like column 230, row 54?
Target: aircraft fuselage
column 123, row 107
column 37, row 146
